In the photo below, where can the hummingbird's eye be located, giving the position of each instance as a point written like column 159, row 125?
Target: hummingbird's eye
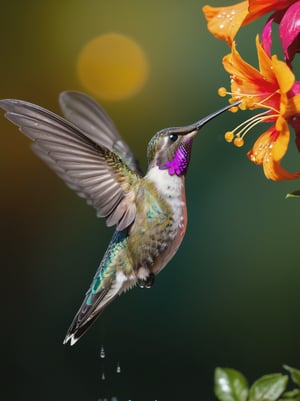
column 173, row 137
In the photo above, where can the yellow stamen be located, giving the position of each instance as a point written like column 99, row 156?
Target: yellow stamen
column 243, row 105
column 229, row 135
column 222, row 91
column 247, row 99
column 238, row 142
column 237, row 134
column 253, row 121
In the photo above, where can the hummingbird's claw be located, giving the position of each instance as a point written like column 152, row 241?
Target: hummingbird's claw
column 146, row 282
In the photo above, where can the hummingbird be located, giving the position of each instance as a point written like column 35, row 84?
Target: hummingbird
column 149, row 211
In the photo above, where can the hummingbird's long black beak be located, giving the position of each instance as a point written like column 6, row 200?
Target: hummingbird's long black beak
column 199, row 124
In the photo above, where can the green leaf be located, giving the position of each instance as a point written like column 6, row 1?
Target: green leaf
column 230, row 385
column 268, row 387
column 293, row 394
column 295, row 374
column 294, row 194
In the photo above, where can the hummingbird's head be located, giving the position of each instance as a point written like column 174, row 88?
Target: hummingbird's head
column 170, row 149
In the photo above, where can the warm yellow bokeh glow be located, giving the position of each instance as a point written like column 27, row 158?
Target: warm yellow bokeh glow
column 112, row 67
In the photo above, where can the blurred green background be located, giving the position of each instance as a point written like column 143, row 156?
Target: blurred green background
column 230, row 297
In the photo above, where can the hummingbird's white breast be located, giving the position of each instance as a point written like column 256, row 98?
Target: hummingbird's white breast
column 171, row 189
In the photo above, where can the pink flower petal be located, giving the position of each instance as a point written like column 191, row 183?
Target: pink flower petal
column 295, row 90
column 289, row 30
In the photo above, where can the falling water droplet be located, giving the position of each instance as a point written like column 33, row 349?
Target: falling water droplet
column 103, row 376
column 102, row 352
column 118, row 368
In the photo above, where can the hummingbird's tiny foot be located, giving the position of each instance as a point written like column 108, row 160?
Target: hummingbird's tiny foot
column 150, row 280
column 141, row 283
column 146, row 282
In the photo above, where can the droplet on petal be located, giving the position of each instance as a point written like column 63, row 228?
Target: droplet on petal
column 238, row 142
column 229, row 136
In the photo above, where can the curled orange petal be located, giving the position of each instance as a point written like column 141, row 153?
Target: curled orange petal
column 281, row 143
column 292, row 107
column 236, row 66
column 265, row 62
column 248, row 83
column 284, row 75
column 274, row 171
column 262, row 148
column 269, row 149
column 224, row 22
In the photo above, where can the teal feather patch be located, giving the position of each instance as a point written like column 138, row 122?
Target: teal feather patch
column 107, row 268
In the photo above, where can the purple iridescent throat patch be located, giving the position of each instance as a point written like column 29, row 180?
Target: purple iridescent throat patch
column 180, row 161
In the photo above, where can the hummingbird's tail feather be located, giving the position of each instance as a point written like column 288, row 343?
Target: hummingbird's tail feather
column 74, row 333
column 91, row 308
column 94, row 304
column 108, row 282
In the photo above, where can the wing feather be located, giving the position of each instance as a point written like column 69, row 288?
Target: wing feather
column 87, row 163
column 87, row 115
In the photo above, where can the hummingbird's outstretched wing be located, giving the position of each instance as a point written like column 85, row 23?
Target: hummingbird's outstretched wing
column 93, row 170
column 90, row 118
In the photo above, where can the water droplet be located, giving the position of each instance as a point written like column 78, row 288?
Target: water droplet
column 103, row 376
column 118, row 368
column 102, row 352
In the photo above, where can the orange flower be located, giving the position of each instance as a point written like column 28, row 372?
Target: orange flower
column 224, row 22
column 273, row 89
